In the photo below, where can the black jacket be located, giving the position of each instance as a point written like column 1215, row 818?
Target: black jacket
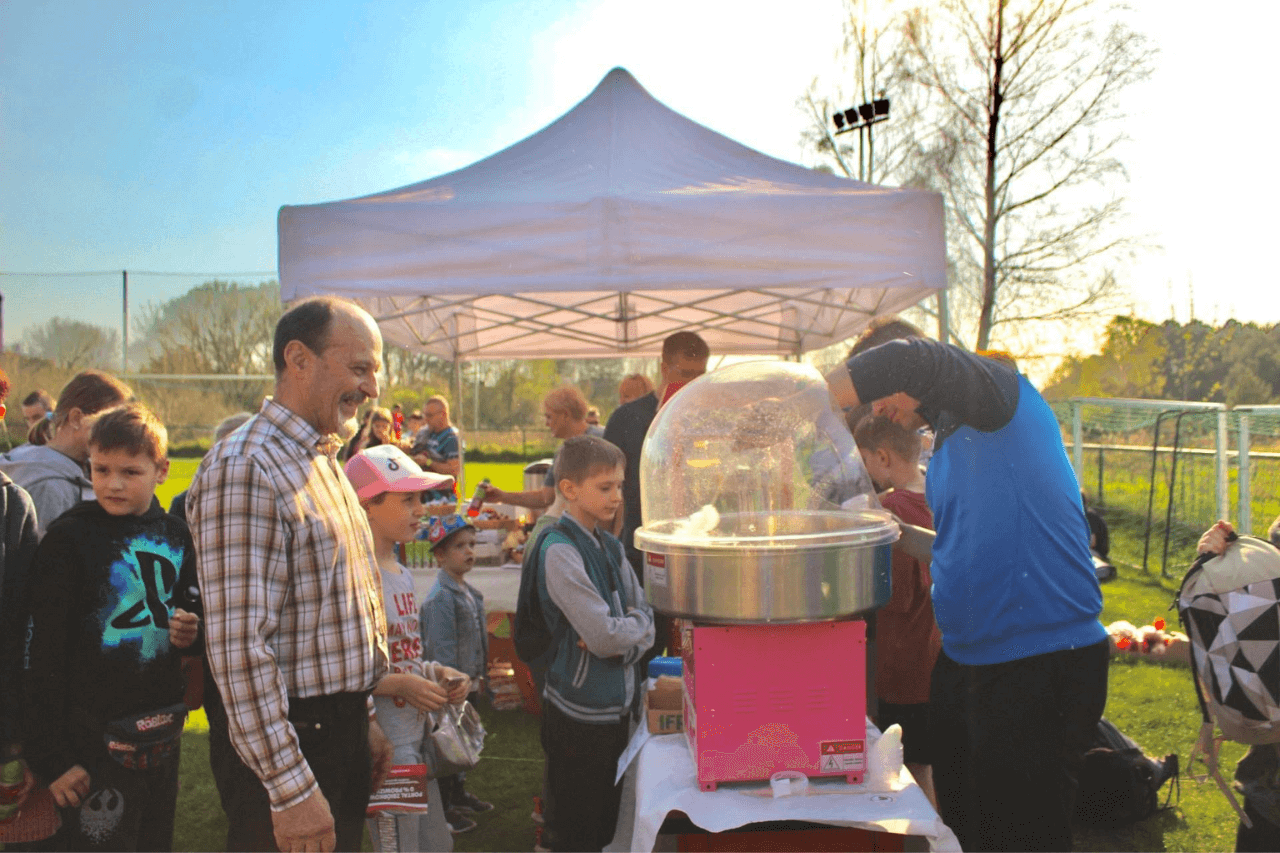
column 98, row 649
column 17, row 547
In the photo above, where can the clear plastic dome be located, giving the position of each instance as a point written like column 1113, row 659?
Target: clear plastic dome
column 753, row 455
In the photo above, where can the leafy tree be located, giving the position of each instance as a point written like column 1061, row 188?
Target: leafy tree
column 424, row 374
column 1251, row 355
column 74, row 345
column 512, row 391
column 1193, row 368
column 1237, row 364
column 1131, row 364
column 1244, row 387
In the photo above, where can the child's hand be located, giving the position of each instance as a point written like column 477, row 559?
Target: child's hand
column 1214, row 540
column 458, row 684
column 422, row 693
column 71, row 788
column 183, row 627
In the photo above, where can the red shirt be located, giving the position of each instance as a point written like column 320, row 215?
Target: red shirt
column 907, row 637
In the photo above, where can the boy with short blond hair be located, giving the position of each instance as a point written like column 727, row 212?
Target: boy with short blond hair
column 601, row 626
column 113, row 600
column 907, row 637
column 389, row 485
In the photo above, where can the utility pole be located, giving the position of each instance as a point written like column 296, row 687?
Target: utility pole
column 124, row 323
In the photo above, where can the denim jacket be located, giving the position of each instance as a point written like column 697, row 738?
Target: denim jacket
column 453, row 626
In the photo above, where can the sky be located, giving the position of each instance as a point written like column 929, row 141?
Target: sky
column 164, row 136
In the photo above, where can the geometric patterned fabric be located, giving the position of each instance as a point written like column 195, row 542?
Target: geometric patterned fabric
column 1231, row 610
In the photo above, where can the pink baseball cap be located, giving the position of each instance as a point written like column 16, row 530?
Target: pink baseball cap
column 387, row 468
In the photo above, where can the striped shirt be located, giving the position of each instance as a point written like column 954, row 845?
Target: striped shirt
column 291, row 588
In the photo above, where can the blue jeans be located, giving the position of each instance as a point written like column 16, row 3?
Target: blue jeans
column 406, row 728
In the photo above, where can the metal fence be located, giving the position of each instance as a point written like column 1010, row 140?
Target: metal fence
column 1165, row 470
column 530, row 444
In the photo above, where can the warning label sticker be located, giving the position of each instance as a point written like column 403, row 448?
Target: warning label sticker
column 656, row 571
column 842, row 756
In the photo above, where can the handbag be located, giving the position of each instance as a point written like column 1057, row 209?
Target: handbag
column 456, row 737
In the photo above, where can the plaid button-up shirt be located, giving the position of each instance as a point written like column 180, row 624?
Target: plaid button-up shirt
column 292, row 594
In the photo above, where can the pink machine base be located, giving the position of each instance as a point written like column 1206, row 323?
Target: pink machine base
column 759, row 699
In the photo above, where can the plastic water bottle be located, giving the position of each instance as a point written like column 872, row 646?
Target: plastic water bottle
column 477, row 500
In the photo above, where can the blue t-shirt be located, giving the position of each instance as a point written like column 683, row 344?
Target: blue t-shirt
column 441, row 447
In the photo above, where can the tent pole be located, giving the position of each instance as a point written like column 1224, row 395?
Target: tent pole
column 124, row 323
column 457, row 384
column 943, row 320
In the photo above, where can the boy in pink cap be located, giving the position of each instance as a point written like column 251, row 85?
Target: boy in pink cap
column 389, row 485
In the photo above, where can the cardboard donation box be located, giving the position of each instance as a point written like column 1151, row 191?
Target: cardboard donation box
column 663, row 706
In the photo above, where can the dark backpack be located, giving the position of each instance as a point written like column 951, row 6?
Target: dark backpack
column 1119, row 783
column 531, row 635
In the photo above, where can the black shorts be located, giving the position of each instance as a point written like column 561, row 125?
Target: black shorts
column 917, row 736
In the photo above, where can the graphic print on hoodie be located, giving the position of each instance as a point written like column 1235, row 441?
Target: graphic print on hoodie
column 98, row 648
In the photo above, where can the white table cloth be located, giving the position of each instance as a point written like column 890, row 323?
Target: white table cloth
column 665, row 780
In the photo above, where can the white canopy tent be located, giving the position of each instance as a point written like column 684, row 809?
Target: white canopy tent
column 609, row 229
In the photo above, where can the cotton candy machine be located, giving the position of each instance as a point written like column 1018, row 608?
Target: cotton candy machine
column 762, row 531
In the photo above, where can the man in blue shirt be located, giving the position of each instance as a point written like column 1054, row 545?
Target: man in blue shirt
column 438, row 447
column 1021, row 682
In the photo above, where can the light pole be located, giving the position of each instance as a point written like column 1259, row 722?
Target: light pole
column 861, row 119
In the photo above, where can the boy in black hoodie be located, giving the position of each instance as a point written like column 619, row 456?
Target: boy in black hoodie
column 113, row 599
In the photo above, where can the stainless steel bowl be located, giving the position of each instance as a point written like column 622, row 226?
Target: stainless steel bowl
column 791, row 566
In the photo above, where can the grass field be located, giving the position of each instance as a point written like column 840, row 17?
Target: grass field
column 1152, row 703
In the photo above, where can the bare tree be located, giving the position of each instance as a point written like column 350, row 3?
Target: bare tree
column 409, row 369
column 73, row 344
column 1028, row 132
column 870, row 55
column 219, row 327
column 1017, row 122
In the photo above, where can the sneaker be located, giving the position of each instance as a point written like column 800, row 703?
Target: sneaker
column 458, row 822
column 469, row 802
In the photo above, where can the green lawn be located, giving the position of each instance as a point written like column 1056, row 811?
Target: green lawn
column 1152, row 703
column 508, row 476
column 509, row 776
column 180, row 473
column 1155, row 704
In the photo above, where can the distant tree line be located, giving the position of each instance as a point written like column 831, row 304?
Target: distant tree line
column 224, row 328
column 1236, row 363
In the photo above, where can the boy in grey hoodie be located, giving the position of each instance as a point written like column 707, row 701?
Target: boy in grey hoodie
column 601, row 626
